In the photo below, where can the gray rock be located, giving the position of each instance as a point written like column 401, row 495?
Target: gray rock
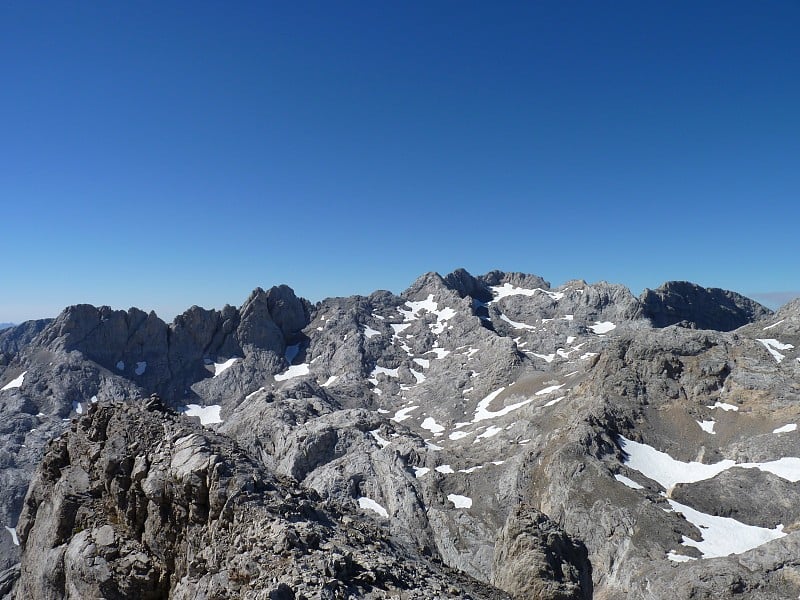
column 472, row 422
column 140, row 504
column 689, row 305
column 535, row 559
column 735, row 493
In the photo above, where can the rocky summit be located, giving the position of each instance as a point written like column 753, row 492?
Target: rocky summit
column 474, row 437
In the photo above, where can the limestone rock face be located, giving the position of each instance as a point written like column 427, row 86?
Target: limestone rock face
column 143, row 504
column 553, row 442
column 535, row 559
column 13, row 338
column 681, row 302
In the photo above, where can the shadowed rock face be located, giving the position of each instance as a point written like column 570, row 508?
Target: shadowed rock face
column 688, row 304
column 487, row 423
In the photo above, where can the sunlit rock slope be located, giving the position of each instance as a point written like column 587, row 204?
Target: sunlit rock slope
column 494, row 434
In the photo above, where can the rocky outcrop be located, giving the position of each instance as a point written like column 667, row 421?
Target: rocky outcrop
column 689, row 305
column 535, row 559
column 734, row 493
column 14, row 338
column 142, row 504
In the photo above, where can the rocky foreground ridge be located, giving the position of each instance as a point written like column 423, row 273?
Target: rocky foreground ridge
column 482, row 437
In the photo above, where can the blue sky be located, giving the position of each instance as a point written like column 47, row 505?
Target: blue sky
column 164, row 154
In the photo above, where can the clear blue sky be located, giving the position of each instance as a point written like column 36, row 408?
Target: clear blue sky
column 164, row 154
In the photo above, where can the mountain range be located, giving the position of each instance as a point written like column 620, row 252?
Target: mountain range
column 473, row 437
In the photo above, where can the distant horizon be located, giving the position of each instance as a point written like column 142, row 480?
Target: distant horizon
column 159, row 153
column 772, row 300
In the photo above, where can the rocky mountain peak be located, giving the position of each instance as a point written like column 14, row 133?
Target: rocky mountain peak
column 546, row 442
column 429, row 283
column 790, row 310
column 688, row 304
column 466, row 285
column 520, row 280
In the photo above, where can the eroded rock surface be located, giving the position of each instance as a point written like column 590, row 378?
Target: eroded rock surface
column 554, row 442
column 144, row 504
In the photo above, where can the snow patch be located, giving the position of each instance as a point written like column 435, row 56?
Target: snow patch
column 439, row 352
column 470, row 469
column 679, row 557
column 550, row 389
column 725, row 406
column 77, row 407
column 369, row 332
column 446, row 469
column 404, row 413
column 786, row 428
column 601, row 327
column 773, row 346
column 120, row 366
column 460, row 501
column 220, row 368
column 251, row 394
column 385, row 371
column 382, row 442
column 515, row 324
column 774, row 324
column 431, row 425
column 491, row 431
column 430, row 305
column 548, row 358
column 423, row 362
column 628, row 481
column 723, row 536
column 556, row 401
column 330, row 381
column 420, row 471
column 418, row 375
column 207, row 414
column 369, row 504
column 707, row 426
column 483, row 413
column 292, row 372
column 505, row 290
column 399, row 327
column 15, row 383
column 662, row 468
